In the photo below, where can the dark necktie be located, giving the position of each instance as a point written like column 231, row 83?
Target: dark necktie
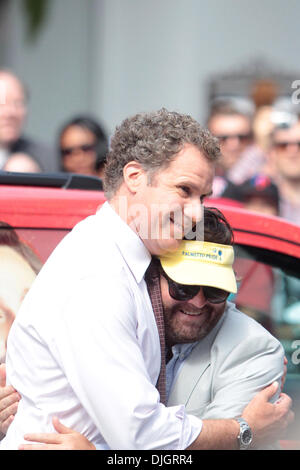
column 152, row 278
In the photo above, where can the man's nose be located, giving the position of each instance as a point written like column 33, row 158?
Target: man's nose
column 194, row 220
column 199, row 300
column 194, row 210
column 232, row 143
column 9, row 109
column 76, row 152
column 293, row 148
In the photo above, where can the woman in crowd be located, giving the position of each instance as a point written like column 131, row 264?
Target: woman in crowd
column 83, row 147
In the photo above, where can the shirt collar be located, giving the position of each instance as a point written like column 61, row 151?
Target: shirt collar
column 131, row 247
column 183, row 350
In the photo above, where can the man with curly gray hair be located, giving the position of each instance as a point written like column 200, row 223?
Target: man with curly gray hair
column 159, row 170
column 93, row 351
column 153, row 140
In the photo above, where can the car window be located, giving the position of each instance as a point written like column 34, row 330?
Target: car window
column 269, row 292
column 42, row 241
column 22, row 253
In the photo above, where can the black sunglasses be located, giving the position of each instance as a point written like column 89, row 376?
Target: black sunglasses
column 83, row 148
column 284, row 145
column 240, row 137
column 184, row 292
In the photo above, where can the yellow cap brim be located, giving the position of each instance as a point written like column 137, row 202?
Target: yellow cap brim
column 201, row 271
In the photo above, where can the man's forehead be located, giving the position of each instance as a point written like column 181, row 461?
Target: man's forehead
column 230, row 120
column 190, row 151
column 12, row 83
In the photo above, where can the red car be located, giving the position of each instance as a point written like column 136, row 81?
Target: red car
column 43, row 208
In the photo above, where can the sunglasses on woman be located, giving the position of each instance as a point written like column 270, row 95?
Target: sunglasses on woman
column 184, row 292
column 82, row 148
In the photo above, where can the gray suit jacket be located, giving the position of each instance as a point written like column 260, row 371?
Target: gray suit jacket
column 228, row 367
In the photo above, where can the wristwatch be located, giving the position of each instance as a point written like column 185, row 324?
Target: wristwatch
column 245, row 436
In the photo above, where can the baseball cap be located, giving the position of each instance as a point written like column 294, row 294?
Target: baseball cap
column 260, row 186
column 201, row 263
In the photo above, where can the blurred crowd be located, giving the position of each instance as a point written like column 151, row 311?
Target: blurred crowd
column 260, row 146
column 260, row 163
column 81, row 146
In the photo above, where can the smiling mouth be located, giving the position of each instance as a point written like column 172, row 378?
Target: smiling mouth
column 191, row 314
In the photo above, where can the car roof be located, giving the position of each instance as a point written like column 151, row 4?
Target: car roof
column 24, row 205
column 48, row 200
column 260, row 230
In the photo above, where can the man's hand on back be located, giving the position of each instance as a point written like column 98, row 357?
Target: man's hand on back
column 268, row 421
column 9, row 400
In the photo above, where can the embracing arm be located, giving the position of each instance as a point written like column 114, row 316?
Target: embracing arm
column 268, row 421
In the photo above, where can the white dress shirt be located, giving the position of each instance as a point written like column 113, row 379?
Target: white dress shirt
column 85, row 345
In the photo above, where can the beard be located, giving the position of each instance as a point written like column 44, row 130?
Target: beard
column 181, row 326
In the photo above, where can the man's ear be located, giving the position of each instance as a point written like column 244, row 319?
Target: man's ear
column 134, row 176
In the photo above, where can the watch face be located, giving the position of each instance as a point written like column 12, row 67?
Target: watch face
column 246, row 437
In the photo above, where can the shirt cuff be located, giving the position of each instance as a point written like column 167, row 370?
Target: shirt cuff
column 191, row 427
column 195, row 427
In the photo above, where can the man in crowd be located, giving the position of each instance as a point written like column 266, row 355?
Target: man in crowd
column 219, row 365
column 159, row 170
column 13, row 113
column 241, row 158
column 285, row 165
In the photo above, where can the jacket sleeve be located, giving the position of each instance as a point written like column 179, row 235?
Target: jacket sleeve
column 253, row 364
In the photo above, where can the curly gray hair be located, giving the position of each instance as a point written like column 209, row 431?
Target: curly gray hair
column 153, row 140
